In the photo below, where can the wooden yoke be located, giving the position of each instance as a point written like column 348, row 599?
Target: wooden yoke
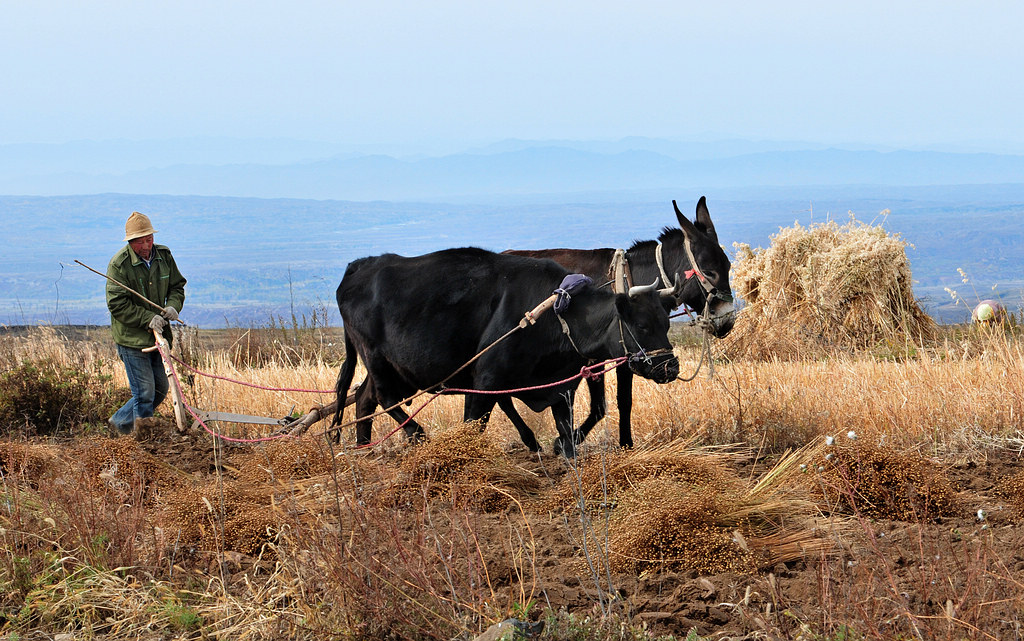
column 531, row 316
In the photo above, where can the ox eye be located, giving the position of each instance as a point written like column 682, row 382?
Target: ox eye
column 712, row 275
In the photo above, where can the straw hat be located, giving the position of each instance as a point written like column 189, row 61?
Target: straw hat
column 138, row 225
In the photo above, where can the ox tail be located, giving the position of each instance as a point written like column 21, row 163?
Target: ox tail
column 345, row 376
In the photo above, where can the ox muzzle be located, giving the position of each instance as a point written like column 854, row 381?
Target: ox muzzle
column 660, row 366
column 722, row 317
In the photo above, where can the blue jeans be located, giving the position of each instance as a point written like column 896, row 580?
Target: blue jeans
column 148, row 382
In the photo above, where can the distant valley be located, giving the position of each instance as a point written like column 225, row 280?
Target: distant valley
column 251, row 260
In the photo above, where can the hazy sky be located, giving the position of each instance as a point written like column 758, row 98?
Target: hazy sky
column 380, row 71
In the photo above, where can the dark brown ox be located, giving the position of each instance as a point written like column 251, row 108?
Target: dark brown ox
column 698, row 268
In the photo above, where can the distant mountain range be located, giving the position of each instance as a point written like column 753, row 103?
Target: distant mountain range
column 510, row 169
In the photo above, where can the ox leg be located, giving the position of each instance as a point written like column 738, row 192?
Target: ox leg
column 525, row 433
column 413, row 430
column 624, row 401
column 598, row 407
column 478, row 408
column 366, row 404
column 566, row 442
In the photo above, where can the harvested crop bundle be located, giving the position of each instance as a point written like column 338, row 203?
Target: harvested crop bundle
column 663, row 523
column 122, row 465
column 231, row 515
column 823, row 288
column 284, row 460
column 462, row 465
column 881, row 482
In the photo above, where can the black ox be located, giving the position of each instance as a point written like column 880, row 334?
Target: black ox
column 415, row 321
column 704, row 289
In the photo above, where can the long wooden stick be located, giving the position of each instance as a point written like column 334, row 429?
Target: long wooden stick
column 177, row 400
column 123, row 286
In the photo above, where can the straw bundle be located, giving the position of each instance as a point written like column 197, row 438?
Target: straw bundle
column 825, row 287
column 676, row 507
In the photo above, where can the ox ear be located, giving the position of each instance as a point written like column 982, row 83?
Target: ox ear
column 684, row 223
column 703, row 219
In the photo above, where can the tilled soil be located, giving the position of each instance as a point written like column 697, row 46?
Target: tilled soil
column 932, row 576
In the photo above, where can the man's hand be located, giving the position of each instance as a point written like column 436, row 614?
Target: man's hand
column 158, row 323
column 170, row 313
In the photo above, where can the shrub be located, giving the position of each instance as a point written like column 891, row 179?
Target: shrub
column 45, row 397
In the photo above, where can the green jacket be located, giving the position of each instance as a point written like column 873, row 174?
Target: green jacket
column 161, row 283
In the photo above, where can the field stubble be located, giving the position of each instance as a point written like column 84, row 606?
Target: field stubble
column 733, row 517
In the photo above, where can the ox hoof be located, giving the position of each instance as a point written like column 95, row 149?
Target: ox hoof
column 565, row 447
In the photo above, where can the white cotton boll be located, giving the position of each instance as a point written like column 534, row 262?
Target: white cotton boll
column 829, row 440
column 851, row 435
column 828, row 457
column 981, row 515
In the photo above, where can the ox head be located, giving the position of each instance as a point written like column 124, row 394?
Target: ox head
column 706, row 285
column 644, row 328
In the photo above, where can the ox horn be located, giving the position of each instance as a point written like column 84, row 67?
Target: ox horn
column 636, row 290
column 674, row 290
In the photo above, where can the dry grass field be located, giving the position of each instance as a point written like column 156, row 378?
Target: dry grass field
column 853, row 495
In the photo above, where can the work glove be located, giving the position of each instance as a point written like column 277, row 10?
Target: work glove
column 158, row 324
column 169, row 313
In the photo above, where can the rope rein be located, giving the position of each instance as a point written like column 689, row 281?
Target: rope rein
column 588, row 371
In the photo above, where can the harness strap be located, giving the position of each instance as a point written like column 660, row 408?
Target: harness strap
column 622, row 277
column 709, row 289
column 661, row 267
column 565, row 330
column 694, row 268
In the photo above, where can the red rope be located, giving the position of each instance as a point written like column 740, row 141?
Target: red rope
column 589, row 371
column 254, row 385
column 191, row 410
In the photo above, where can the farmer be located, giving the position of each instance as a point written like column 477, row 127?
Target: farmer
column 150, row 270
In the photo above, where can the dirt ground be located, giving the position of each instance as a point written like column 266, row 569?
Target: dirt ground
column 958, row 576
